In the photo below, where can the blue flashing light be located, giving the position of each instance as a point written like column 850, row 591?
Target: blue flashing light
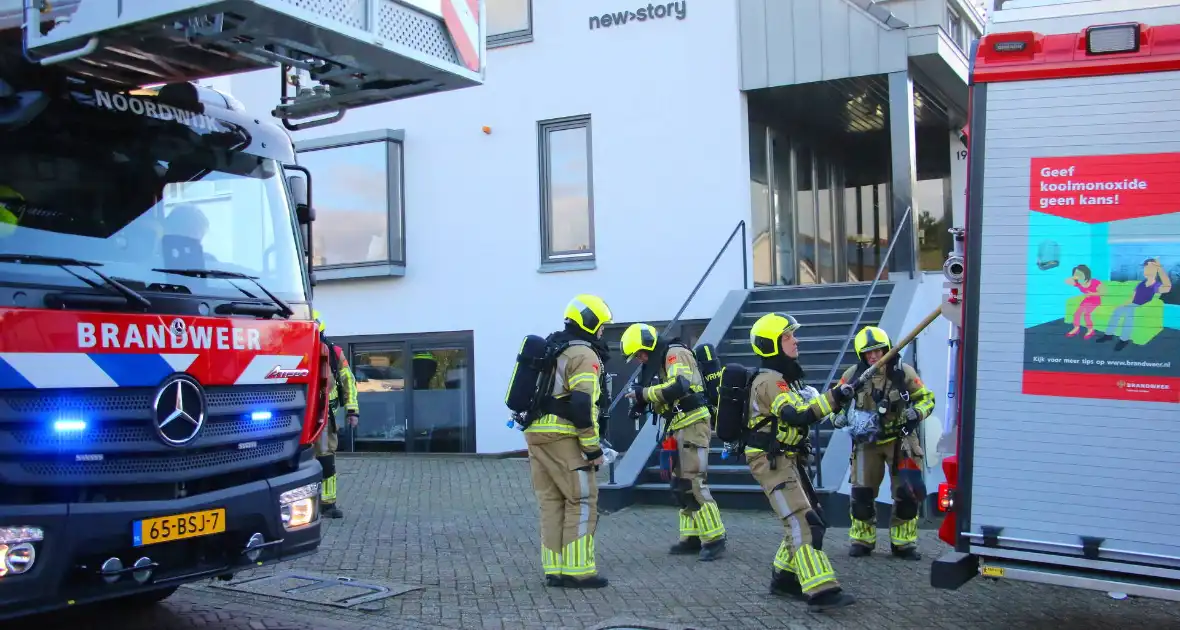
column 259, row 416
column 69, row 426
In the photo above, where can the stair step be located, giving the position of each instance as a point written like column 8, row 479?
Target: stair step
column 820, row 316
column 804, row 305
column 818, row 290
column 712, row 487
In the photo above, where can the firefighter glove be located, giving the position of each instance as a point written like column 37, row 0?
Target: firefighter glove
column 352, row 419
column 843, row 393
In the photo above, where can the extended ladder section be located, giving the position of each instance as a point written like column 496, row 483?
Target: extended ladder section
column 358, row 52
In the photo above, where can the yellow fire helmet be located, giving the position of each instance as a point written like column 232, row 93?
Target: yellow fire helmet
column 638, row 337
column 870, row 338
column 768, row 330
column 8, row 216
column 315, row 314
column 589, row 312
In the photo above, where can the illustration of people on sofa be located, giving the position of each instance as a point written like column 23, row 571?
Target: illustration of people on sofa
column 1141, row 317
column 1091, row 288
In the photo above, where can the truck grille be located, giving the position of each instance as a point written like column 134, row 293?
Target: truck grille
column 120, row 446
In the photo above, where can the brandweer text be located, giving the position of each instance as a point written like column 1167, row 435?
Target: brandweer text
column 158, row 336
column 642, row 14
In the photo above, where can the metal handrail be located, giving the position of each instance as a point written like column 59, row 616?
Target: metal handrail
column 819, row 475
column 741, row 227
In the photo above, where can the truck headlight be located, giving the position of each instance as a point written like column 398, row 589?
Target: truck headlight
column 298, row 506
column 17, row 559
column 17, row 553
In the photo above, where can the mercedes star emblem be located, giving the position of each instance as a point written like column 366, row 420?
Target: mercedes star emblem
column 179, row 410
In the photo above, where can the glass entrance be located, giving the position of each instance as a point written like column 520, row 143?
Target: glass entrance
column 414, row 396
column 441, row 388
column 380, row 373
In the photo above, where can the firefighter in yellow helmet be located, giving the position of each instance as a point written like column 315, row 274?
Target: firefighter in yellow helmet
column 680, row 399
column 343, row 386
column 565, row 451
column 884, row 418
column 782, row 409
column 11, row 203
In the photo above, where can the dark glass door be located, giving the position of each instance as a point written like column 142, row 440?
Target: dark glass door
column 440, row 410
column 380, row 370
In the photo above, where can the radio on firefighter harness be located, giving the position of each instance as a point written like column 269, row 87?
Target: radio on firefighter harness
column 357, row 53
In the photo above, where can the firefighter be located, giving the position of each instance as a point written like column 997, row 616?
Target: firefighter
column 343, row 386
column 680, row 399
column 897, row 402
column 11, row 205
column 781, row 409
column 564, row 448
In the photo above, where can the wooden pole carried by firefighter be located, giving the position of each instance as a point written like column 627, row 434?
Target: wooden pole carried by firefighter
column 898, row 347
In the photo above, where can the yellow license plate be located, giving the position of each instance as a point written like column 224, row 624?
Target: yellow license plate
column 151, row 531
column 996, row 572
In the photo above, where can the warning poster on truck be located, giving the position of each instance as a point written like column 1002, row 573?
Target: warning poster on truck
column 1102, row 314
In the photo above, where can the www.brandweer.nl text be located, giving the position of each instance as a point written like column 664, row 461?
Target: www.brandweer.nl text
column 642, row 14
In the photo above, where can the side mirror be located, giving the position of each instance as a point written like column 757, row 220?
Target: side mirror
column 302, row 199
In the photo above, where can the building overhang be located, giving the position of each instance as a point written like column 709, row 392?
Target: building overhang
column 943, row 66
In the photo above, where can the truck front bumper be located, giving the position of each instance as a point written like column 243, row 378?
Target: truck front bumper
column 80, row 539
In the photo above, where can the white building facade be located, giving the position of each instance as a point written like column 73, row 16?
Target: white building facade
column 613, row 149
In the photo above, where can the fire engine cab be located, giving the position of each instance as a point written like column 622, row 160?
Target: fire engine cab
column 162, row 380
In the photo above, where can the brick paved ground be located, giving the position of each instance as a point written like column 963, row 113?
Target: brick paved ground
column 466, row 531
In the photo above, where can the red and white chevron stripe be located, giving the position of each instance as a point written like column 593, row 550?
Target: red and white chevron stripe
column 462, row 20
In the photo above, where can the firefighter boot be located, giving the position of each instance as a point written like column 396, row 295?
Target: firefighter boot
column 554, row 581
column 330, row 510
column 859, row 551
column 785, row 584
column 827, row 600
column 712, row 550
column 906, row 553
column 594, row 581
column 686, row 546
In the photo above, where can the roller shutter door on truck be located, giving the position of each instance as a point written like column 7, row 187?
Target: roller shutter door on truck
column 1073, row 436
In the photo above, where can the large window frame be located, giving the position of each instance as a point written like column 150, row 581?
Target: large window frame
column 564, row 260
column 407, row 344
column 510, row 38
column 394, row 263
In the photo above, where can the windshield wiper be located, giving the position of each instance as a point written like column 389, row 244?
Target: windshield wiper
column 285, row 309
column 66, row 263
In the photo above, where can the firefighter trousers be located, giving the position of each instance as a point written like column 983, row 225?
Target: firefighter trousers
column 801, row 551
column 325, row 452
column 699, row 515
column 868, row 471
column 567, row 495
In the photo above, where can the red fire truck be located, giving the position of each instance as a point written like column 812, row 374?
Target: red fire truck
column 161, row 378
column 1066, row 470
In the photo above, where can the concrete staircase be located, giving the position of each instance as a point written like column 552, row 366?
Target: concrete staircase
column 826, row 313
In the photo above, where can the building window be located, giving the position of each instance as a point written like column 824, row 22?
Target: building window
column 509, row 22
column 954, row 27
column 567, row 194
column 358, row 194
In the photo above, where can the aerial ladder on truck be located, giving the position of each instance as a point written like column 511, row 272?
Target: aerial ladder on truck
column 1062, row 469
column 357, row 53
column 162, row 392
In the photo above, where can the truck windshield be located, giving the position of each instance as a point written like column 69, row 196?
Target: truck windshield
column 141, row 192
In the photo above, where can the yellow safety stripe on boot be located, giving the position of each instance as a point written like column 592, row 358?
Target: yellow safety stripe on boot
column 813, row 568
column 578, row 557
column 708, row 520
column 782, row 558
column 905, row 534
column 864, row 532
column 328, row 492
column 550, row 561
column 688, row 526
